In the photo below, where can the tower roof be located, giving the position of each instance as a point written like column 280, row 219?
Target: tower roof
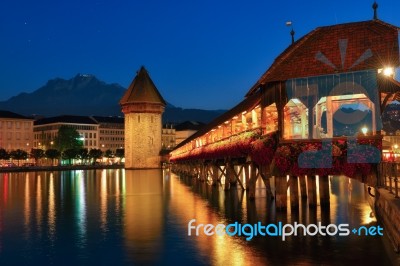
column 142, row 90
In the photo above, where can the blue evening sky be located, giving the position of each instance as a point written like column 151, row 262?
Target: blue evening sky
column 200, row 53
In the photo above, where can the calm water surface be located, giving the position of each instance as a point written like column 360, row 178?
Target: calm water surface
column 140, row 217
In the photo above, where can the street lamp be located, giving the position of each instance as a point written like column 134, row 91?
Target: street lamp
column 364, row 130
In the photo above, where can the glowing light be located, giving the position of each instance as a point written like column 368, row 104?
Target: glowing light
column 388, row 71
column 364, row 130
column 395, row 146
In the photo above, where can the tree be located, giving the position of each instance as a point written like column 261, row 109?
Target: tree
column 83, row 154
column 67, row 138
column 95, row 154
column 70, row 154
column 37, row 154
column 53, row 154
column 120, row 153
column 18, row 155
column 109, row 154
column 4, row 155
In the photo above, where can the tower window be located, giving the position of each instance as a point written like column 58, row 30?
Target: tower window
column 138, row 118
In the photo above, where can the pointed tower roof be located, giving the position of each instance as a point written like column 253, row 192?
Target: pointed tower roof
column 142, row 90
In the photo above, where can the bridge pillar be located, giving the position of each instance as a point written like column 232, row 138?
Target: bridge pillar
column 251, row 185
column 214, row 174
column 266, row 175
column 303, row 187
column 201, row 171
column 228, row 174
column 247, row 174
column 231, row 173
column 312, row 190
column 324, row 190
column 294, row 191
column 280, row 192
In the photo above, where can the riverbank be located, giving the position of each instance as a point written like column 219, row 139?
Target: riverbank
column 59, row 168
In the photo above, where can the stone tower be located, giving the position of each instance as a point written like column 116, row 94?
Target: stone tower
column 142, row 106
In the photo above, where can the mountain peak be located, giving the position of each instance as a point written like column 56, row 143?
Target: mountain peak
column 86, row 95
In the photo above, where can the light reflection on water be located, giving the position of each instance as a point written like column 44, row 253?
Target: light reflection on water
column 118, row 216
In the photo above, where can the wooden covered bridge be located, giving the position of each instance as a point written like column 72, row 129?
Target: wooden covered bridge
column 315, row 112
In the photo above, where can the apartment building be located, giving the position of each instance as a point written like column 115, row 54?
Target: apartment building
column 16, row 131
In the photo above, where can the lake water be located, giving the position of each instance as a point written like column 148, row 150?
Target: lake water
column 103, row 217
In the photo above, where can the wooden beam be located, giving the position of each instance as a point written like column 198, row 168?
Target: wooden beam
column 294, row 191
column 324, row 193
column 312, row 191
column 281, row 186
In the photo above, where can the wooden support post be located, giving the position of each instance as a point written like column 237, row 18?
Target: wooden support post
column 280, row 192
column 312, row 191
column 265, row 175
column 252, row 182
column 214, row 174
column 324, row 190
column 232, row 173
column 247, row 174
column 227, row 176
column 202, row 172
column 303, row 187
column 238, row 175
column 294, row 191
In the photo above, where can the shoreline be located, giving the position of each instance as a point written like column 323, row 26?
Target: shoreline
column 58, row 168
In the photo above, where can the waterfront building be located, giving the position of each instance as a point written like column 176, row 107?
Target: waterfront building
column 186, row 129
column 16, row 131
column 142, row 105
column 111, row 132
column 168, row 137
column 46, row 130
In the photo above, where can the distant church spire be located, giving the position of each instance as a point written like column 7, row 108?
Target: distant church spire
column 375, row 7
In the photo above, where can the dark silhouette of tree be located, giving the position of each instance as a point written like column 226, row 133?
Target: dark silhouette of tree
column 83, row 154
column 37, row 154
column 52, row 154
column 4, row 155
column 67, row 138
column 120, row 153
column 95, row 154
column 108, row 154
column 70, row 154
column 18, row 155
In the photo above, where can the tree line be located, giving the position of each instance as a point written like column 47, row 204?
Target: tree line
column 68, row 145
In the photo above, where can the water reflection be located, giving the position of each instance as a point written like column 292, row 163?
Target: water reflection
column 144, row 213
column 141, row 217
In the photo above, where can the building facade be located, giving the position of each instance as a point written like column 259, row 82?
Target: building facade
column 111, row 133
column 186, row 129
column 168, row 137
column 46, row 130
column 142, row 106
column 16, row 131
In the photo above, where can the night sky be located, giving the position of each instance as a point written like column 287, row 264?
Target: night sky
column 200, row 54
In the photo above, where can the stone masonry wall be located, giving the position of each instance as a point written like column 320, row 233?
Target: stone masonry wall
column 142, row 140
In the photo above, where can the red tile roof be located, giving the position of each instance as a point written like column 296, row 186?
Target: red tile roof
column 365, row 45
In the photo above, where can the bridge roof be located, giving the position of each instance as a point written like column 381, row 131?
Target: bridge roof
column 248, row 103
column 335, row 49
column 142, row 90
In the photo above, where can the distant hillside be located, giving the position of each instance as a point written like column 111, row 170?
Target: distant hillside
column 86, row 95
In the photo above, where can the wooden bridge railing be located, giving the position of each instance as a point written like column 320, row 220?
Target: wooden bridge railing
column 390, row 177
